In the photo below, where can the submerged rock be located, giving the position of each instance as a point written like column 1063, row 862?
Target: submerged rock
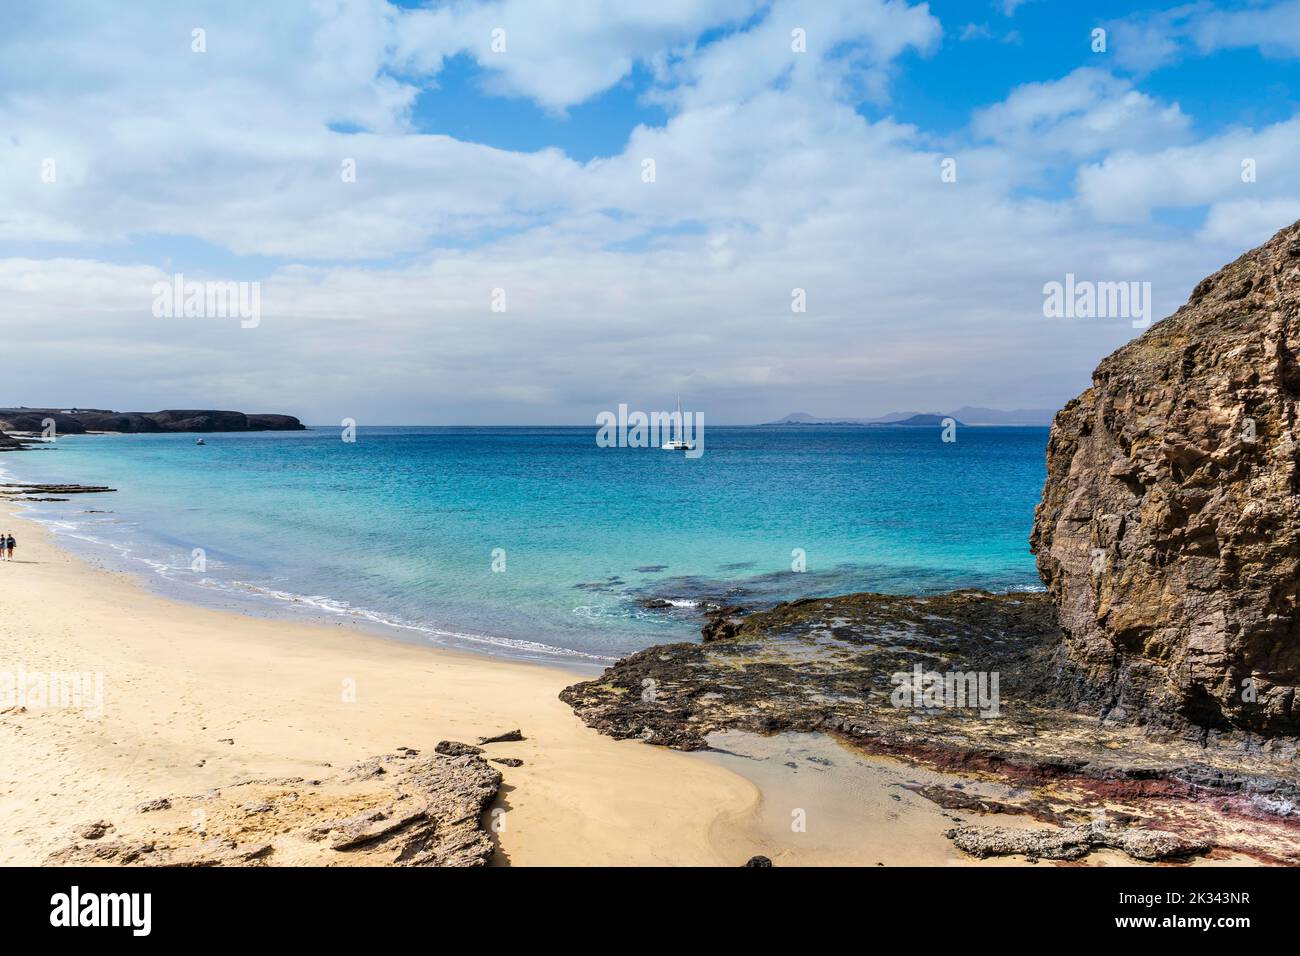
column 1169, row 532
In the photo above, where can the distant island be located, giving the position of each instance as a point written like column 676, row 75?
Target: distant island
column 966, row 415
column 80, row 421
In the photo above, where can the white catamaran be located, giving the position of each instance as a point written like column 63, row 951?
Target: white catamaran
column 679, row 443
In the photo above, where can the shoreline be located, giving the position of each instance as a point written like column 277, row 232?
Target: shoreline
column 179, row 680
column 197, row 699
column 200, row 698
column 265, row 603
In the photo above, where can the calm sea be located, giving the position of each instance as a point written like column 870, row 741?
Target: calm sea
column 402, row 529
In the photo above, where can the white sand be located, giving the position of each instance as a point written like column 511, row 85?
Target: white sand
column 178, row 679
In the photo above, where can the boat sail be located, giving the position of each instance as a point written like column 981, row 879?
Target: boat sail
column 679, row 443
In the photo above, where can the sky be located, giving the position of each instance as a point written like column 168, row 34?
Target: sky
column 532, row 211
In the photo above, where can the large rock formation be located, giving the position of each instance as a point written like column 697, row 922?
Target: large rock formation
column 1168, row 529
column 77, row 421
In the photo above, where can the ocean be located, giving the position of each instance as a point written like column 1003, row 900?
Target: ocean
column 536, row 542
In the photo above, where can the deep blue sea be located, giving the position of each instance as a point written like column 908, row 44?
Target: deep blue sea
column 400, row 530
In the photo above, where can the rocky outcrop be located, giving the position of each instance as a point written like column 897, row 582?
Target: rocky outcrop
column 1073, row 843
column 816, row 664
column 18, row 491
column 77, row 421
column 399, row 809
column 849, row 667
column 1169, row 529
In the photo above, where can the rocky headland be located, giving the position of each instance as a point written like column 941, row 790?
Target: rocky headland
column 1145, row 703
column 80, row 421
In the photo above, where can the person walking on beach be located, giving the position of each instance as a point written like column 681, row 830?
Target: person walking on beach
column 9, row 546
column 4, row 545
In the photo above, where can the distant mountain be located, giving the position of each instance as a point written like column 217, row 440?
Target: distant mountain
column 995, row 416
column 803, row 418
column 798, row 418
column 966, row 415
column 914, row 421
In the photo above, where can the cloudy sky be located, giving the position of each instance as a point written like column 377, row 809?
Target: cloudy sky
column 501, row 154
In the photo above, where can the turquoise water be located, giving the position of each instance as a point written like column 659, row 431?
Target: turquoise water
column 398, row 530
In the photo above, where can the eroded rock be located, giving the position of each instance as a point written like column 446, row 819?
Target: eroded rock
column 1169, row 532
column 504, row 737
column 393, row 810
column 454, row 748
column 1073, row 843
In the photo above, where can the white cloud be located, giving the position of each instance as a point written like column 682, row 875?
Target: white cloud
column 1148, row 41
column 1127, row 185
column 1087, row 113
column 1274, row 29
column 558, row 52
column 921, row 293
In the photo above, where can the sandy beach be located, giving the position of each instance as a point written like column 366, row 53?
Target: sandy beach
column 179, row 681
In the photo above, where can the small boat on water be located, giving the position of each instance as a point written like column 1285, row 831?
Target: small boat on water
column 679, row 443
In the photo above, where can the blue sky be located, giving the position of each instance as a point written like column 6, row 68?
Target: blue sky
column 935, row 90
column 522, row 170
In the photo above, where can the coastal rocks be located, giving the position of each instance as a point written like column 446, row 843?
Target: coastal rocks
column 722, row 623
column 392, row 810
column 1169, row 533
column 815, row 664
column 505, row 737
column 15, row 489
column 274, row 423
column 454, row 748
column 77, row 421
column 842, row 666
column 1073, row 843
column 758, row 861
column 508, row 761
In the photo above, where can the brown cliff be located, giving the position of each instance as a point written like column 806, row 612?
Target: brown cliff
column 1169, row 530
